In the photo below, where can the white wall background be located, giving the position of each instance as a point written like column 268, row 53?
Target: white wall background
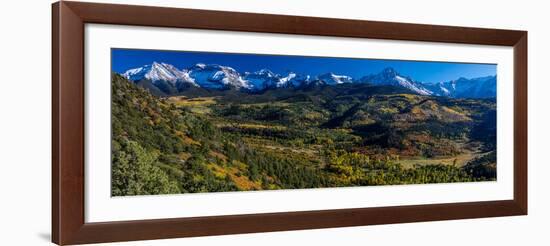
column 25, row 141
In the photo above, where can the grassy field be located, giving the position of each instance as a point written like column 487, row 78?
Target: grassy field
column 458, row 160
column 197, row 105
column 471, row 150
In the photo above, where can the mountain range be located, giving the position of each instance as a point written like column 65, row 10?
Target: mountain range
column 166, row 79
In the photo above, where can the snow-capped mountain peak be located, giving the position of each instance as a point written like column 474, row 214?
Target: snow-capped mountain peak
column 482, row 87
column 333, row 79
column 389, row 72
column 213, row 76
column 266, row 72
column 168, row 79
column 200, row 65
column 389, row 76
column 263, row 79
column 289, row 77
column 157, row 72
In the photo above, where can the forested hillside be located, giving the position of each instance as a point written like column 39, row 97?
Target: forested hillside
column 287, row 138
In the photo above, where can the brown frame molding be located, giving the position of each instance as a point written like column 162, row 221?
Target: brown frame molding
column 68, row 19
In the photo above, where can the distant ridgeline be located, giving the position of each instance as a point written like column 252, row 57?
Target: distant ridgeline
column 164, row 80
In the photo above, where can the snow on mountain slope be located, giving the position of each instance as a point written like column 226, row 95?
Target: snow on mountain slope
column 298, row 80
column 482, row 87
column 262, row 79
column 211, row 76
column 409, row 84
column 286, row 80
column 265, row 79
column 158, row 72
column 390, row 77
column 333, row 79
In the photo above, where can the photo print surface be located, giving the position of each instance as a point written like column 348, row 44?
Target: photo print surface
column 190, row 122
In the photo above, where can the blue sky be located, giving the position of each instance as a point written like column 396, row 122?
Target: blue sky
column 424, row 71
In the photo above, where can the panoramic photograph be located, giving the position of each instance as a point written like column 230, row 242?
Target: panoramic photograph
column 193, row 122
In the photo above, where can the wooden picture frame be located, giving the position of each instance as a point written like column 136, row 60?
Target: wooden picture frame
column 68, row 123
